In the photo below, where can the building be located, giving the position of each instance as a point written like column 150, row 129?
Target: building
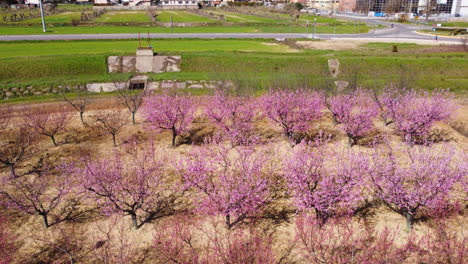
column 448, row 7
column 420, row 7
column 178, row 4
column 330, row 6
column 346, row 6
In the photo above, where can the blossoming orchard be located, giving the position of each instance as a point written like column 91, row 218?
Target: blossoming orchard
column 288, row 176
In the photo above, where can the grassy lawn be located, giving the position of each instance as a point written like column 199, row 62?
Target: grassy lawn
column 153, row 29
column 236, row 17
column 65, row 17
column 258, row 63
column 453, row 24
column 126, row 16
column 180, row 16
column 38, row 48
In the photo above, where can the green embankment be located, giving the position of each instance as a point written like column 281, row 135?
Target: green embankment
column 257, row 63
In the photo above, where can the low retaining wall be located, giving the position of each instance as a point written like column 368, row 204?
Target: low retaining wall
column 166, row 84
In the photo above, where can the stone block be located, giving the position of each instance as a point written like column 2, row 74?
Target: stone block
column 114, row 63
column 334, row 67
column 128, row 64
column 341, row 85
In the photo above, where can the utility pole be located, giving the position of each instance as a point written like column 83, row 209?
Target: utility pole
column 172, row 24
column 315, row 20
column 41, row 5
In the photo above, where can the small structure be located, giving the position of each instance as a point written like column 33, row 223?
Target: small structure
column 145, row 61
column 334, row 67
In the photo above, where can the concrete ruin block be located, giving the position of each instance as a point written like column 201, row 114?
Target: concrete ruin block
column 171, row 64
column 152, row 86
column 114, row 63
column 196, row 86
column 341, row 85
column 105, row 87
column 144, row 60
column 167, row 84
column 158, row 64
column 334, row 67
column 128, row 64
column 166, row 64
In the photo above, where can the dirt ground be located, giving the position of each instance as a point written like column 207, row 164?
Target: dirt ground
column 79, row 138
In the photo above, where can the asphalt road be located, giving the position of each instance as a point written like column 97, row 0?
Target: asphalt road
column 399, row 31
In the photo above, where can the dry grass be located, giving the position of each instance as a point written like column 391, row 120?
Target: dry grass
column 279, row 216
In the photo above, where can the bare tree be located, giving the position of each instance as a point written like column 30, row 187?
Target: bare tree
column 17, row 148
column 68, row 239
column 47, row 196
column 132, row 100
column 47, row 122
column 5, row 118
column 80, row 103
column 111, row 122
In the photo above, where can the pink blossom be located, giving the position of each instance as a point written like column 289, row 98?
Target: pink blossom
column 425, row 180
column 327, row 190
column 234, row 116
column 293, row 111
column 169, row 112
column 232, row 183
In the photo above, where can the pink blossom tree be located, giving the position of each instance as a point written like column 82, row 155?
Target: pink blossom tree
column 112, row 243
column 7, row 243
column 231, row 183
column 414, row 113
column 341, row 241
column 47, row 122
column 425, row 180
column 355, row 112
column 240, row 246
column 173, row 241
column 293, row 111
column 169, row 112
column 138, row 187
column 234, row 115
column 442, row 245
column 47, row 196
column 325, row 189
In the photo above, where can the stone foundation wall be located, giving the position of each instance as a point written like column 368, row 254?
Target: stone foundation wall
column 166, row 84
column 155, row 64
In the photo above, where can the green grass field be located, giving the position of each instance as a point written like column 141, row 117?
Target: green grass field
column 32, row 30
column 65, row 17
column 180, row 16
column 122, row 17
column 257, row 62
column 454, row 24
column 236, row 17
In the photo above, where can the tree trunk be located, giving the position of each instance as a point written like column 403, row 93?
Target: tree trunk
column 133, row 118
column 113, row 139
column 174, row 135
column 82, row 118
column 53, row 140
column 228, row 221
column 134, row 220
column 409, row 222
column 45, row 221
column 12, row 170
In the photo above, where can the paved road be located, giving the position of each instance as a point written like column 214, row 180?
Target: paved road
column 399, row 31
